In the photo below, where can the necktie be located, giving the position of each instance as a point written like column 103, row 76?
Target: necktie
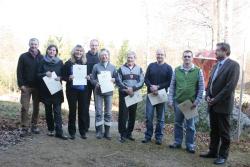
column 214, row 76
column 216, row 71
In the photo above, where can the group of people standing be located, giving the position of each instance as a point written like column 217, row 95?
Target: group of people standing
column 185, row 82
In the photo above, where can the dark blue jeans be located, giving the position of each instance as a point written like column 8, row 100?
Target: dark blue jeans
column 160, row 114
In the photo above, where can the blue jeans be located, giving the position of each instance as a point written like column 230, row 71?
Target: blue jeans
column 178, row 128
column 160, row 114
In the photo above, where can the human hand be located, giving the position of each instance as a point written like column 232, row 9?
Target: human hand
column 211, row 101
column 23, row 88
column 130, row 91
column 193, row 106
column 87, row 77
column 154, row 88
column 48, row 74
column 71, row 77
column 113, row 80
column 58, row 78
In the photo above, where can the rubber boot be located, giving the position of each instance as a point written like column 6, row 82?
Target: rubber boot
column 107, row 132
column 99, row 132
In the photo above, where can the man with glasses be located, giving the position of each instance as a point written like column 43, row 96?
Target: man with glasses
column 92, row 59
column 158, row 76
column 187, row 84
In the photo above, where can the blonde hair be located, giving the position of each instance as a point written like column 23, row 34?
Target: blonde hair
column 73, row 59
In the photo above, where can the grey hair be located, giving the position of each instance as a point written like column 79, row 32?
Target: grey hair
column 104, row 50
column 131, row 53
column 33, row 39
column 94, row 40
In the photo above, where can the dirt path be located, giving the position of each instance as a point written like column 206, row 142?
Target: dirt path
column 43, row 151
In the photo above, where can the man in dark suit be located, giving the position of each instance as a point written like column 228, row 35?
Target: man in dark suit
column 220, row 98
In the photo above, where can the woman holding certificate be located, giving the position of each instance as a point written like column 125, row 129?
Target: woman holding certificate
column 103, row 75
column 74, row 73
column 51, row 94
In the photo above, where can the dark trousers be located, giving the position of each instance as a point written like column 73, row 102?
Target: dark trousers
column 54, row 117
column 78, row 99
column 219, row 134
column 126, row 117
column 90, row 88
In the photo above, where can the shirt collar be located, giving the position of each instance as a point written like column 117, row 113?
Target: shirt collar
column 223, row 61
column 183, row 68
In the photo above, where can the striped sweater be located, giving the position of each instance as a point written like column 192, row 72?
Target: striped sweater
column 130, row 77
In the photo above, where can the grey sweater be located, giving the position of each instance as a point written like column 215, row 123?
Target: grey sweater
column 127, row 77
column 97, row 70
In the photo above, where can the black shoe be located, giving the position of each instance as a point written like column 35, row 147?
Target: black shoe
column 219, row 161
column 72, row 137
column 61, row 136
column 190, row 150
column 35, row 130
column 50, row 133
column 175, row 146
column 146, row 140
column 24, row 132
column 84, row 136
column 130, row 137
column 158, row 142
column 122, row 139
column 208, row 155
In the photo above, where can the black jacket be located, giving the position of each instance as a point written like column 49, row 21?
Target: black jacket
column 67, row 71
column 44, row 93
column 27, row 69
column 91, row 61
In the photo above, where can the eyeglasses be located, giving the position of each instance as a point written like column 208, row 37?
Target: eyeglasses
column 159, row 54
column 187, row 57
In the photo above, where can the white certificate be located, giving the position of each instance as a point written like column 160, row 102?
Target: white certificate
column 185, row 108
column 53, row 85
column 104, row 79
column 160, row 98
column 136, row 98
column 79, row 73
